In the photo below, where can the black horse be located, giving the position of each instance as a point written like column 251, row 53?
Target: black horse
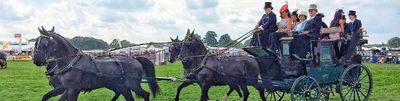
column 58, row 89
column 77, row 72
column 174, row 50
column 3, row 60
column 210, row 70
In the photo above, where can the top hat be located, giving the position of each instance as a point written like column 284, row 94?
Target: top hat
column 268, row 5
column 352, row 12
column 313, row 6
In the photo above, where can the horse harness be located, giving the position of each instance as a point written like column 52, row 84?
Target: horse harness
column 198, row 68
column 56, row 70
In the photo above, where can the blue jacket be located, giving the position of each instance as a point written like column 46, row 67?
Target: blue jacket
column 268, row 22
column 353, row 27
column 313, row 26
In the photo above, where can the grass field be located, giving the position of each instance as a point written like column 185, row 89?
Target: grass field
column 23, row 81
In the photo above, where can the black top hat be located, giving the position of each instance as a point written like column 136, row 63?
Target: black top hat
column 268, row 5
column 352, row 12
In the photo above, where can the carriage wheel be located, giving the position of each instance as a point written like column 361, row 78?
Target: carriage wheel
column 275, row 96
column 305, row 88
column 356, row 83
column 325, row 93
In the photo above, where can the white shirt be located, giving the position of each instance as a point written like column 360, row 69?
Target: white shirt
column 312, row 17
column 351, row 21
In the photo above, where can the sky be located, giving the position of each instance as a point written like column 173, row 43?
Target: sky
column 142, row 21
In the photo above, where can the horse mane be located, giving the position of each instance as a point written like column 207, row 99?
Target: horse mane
column 197, row 45
column 64, row 41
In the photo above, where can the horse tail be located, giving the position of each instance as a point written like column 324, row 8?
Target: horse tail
column 149, row 71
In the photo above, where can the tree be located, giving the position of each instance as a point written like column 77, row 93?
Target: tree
column 247, row 43
column 238, row 44
column 224, row 40
column 115, row 43
column 210, row 39
column 89, row 43
column 125, row 43
column 394, row 42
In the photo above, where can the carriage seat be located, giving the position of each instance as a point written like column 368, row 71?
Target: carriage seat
column 295, row 56
column 333, row 33
column 286, row 38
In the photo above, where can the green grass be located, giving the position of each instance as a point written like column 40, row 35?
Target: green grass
column 22, row 81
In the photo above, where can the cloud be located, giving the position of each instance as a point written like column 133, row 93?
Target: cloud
column 156, row 20
column 201, row 4
column 8, row 13
column 127, row 5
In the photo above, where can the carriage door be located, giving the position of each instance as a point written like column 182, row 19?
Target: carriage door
column 327, row 53
column 289, row 67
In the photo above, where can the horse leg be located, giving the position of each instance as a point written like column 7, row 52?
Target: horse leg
column 246, row 92
column 73, row 94
column 127, row 95
column 116, row 96
column 183, row 85
column 261, row 90
column 204, row 92
column 231, row 89
column 52, row 93
column 139, row 90
column 64, row 95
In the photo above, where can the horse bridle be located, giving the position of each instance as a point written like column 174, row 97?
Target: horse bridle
column 49, row 59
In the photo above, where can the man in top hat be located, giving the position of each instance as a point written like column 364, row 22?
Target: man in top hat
column 352, row 28
column 311, row 31
column 264, row 27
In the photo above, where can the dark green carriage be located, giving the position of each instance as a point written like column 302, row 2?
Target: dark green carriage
column 315, row 78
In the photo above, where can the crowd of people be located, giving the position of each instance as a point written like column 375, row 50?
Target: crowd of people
column 383, row 56
column 303, row 28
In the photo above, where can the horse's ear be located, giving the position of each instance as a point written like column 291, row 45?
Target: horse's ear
column 52, row 30
column 171, row 39
column 43, row 29
column 177, row 38
column 192, row 33
column 40, row 31
column 188, row 32
column 44, row 32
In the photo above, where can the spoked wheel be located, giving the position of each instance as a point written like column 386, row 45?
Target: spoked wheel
column 275, row 96
column 356, row 83
column 325, row 93
column 305, row 88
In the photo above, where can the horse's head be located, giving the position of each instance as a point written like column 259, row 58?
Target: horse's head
column 174, row 49
column 50, row 45
column 44, row 46
column 191, row 45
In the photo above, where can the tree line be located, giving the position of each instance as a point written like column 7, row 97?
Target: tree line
column 90, row 43
column 210, row 38
column 393, row 42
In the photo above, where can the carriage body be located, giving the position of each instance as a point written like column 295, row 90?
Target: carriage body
column 289, row 74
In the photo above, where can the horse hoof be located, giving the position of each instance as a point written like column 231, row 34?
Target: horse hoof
column 241, row 99
column 225, row 98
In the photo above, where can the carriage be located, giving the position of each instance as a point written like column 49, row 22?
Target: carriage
column 317, row 77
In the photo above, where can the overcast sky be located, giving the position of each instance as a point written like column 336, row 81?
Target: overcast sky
column 157, row 20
